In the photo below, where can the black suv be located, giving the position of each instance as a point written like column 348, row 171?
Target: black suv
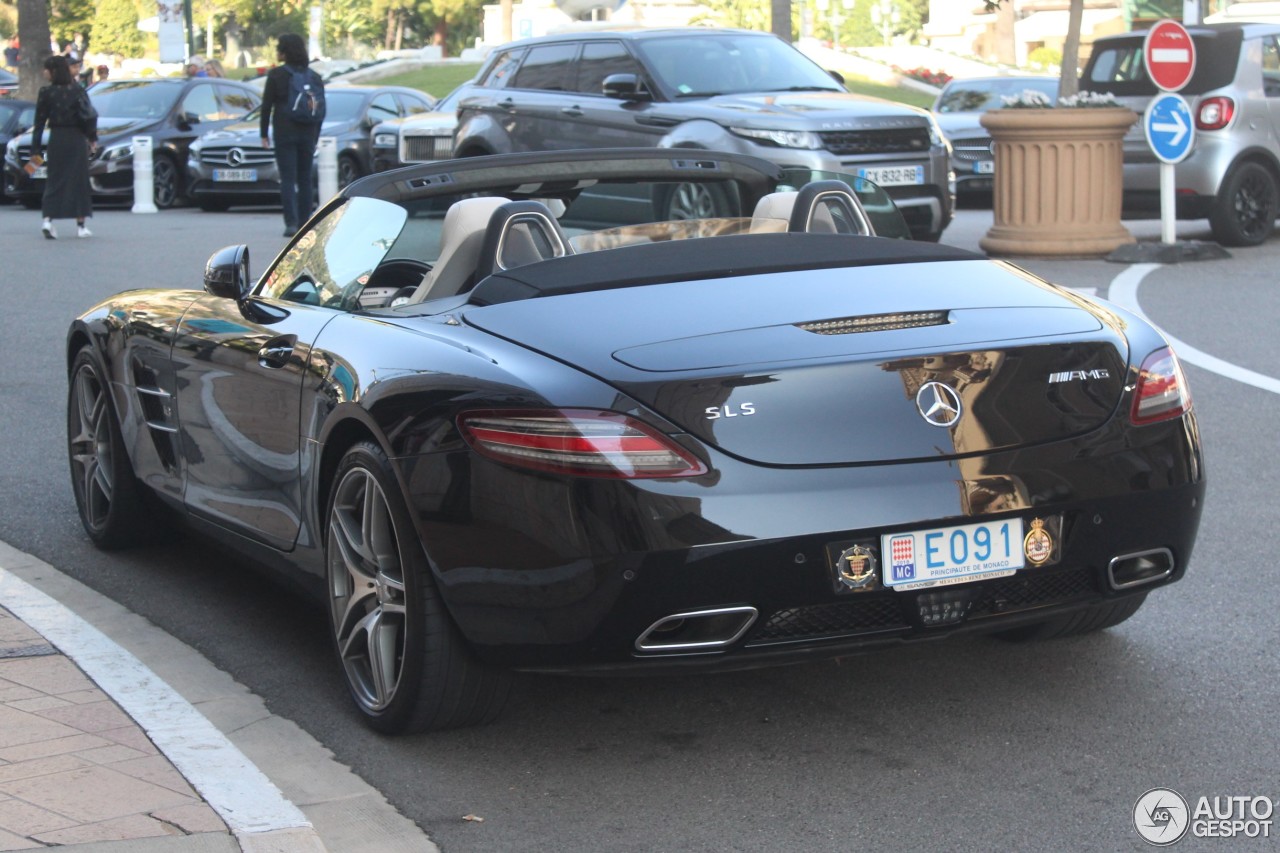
column 698, row 88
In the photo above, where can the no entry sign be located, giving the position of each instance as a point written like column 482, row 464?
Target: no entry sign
column 1170, row 55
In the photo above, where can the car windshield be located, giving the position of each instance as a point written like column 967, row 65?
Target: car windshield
column 6, row 112
column 722, row 64
column 6, row 77
column 342, row 106
column 971, row 96
column 449, row 102
column 134, row 98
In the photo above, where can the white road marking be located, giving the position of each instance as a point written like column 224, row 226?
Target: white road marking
column 229, row 782
column 1124, row 292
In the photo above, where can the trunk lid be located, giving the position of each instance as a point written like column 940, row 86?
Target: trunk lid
column 826, row 367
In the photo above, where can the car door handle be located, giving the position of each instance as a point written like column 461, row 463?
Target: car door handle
column 507, row 104
column 276, row 352
column 572, row 112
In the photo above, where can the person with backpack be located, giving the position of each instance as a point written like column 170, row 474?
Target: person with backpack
column 292, row 113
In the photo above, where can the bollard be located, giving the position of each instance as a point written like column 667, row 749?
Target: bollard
column 144, row 193
column 327, row 167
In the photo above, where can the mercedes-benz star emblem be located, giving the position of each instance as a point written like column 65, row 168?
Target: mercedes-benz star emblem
column 939, row 404
column 235, row 157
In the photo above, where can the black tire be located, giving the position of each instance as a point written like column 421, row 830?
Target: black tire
column 166, row 182
column 1245, row 211
column 694, row 201
column 108, row 496
column 348, row 170
column 1099, row 617
column 421, row 676
column 31, row 202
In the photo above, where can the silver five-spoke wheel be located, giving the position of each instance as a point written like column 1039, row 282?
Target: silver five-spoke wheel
column 367, row 590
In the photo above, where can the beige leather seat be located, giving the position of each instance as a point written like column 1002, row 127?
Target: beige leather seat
column 462, row 236
column 773, row 212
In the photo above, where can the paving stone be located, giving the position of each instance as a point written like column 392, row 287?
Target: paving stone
column 116, row 829
column 9, row 841
column 21, row 727
column 157, row 770
column 197, row 817
column 111, row 754
column 51, row 675
column 84, row 697
column 94, row 794
column 133, row 736
column 26, row 819
column 95, row 717
column 57, row 746
column 38, row 702
column 19, row 770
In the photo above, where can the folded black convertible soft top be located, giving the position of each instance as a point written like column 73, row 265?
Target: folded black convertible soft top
column 690, row 260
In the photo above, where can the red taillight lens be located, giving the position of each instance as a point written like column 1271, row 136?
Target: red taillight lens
column 581, row 442
column 1162, row 391
column 1215, row 113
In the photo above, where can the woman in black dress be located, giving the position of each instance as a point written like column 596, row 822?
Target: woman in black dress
column 73, row 137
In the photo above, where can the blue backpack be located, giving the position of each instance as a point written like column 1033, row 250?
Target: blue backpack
column 305, row 103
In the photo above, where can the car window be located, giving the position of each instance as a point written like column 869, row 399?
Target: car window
column 980, row 95
column 1117, row 67
column 134, row 98
column 236, row 103
column 548, row 67
column 500, row 72
column 412, row 105
column 716, row 64
column 383, row 107
column 599, row 60
column 1271, row 67
column 330, row 263
column 202, row 103
column 343, row 104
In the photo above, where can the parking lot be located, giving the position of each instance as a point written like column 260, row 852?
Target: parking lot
column 968, row 745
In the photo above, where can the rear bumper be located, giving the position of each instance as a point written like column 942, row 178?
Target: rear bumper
column 541, row 594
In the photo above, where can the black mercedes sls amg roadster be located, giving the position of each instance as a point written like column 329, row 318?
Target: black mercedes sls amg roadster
column 501, row 419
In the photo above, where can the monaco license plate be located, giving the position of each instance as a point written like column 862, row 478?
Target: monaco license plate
column 893, row 176
column 950, row 555
column 41, row 173
column 984, row 167
column 239, row 175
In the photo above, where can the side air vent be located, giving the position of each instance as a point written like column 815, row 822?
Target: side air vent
column 875, row 323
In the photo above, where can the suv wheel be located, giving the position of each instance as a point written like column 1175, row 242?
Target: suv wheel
column 693, row 201
column 1246, row 208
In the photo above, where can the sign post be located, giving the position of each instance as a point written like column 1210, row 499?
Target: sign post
column 1170, row 57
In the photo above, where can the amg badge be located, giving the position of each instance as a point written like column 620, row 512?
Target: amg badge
column 1072, row 375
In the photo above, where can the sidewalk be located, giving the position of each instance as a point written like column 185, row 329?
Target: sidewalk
column 117, row 738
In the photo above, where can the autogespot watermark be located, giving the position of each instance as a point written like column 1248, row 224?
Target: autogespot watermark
column 1163, row 817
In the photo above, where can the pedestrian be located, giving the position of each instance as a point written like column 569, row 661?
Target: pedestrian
column 73, row 137
column 78, row 74
column 12, row 53
column 195, row 66
column 293, row 109
column 104, row 72
column 213, row 68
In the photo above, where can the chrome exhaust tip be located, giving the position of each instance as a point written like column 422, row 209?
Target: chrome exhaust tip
column 1143, row 567
column 697, row 630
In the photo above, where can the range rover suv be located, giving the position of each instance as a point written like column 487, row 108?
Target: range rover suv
column 699, row 88
column 1232, row 175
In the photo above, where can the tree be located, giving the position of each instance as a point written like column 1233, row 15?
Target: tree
column 33, row 31
column 1069, row 83
column 115, row 28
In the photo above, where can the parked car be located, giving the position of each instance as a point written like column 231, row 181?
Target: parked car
column 15, row 117
column 8, row 84
column 172, row 112
column 710, row 90
column 493, row 431
column 230, row 166
column 1232, row 175
column 958, row 109
column 418, row 138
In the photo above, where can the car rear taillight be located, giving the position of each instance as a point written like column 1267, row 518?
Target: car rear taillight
column 1215, row 113
column 580, row 442
column 1162, row 391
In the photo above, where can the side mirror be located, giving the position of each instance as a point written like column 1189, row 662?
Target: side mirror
column 227, row 273
column 836, row 75
column 625, row 87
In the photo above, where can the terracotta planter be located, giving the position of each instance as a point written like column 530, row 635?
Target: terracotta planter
column 1058, row 182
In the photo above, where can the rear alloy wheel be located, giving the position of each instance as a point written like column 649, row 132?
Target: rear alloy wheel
column 405, row 663
column 1099, row 617
column 108, row 496
column 164, row 176
column 697, row 201
column 1244, row 213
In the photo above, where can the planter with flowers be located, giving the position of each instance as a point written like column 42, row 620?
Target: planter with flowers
column 1059, row 175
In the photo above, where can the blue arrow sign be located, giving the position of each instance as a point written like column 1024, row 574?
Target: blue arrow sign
column 1169, row 127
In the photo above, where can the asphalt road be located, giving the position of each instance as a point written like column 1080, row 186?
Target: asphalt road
column 975, row 744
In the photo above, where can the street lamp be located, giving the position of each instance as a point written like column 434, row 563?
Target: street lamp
column 835, row 17
column 885, row 16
